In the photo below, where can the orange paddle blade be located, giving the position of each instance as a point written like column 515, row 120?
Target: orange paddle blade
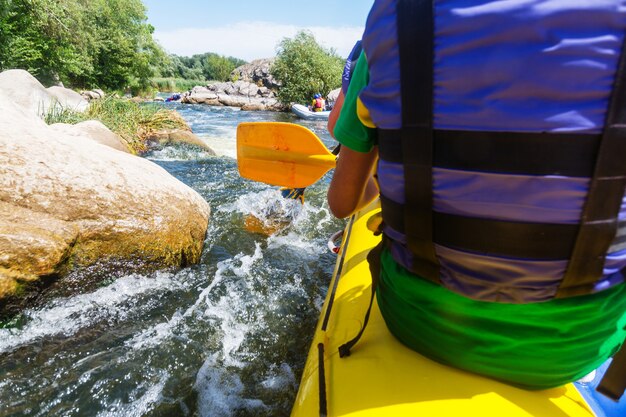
column 282, row 154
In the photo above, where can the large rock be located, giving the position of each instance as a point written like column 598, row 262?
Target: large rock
column 253, row 88
column 251, row 103
column 68, row 99
column 36, row 242
column 25, row 91
column 94, row 94
column 93, row 130
column 201, row 95
column 242, row 94
column 66, row 203
column 257, row 72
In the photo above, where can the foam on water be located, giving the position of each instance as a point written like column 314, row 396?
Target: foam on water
column 280, row 378
column 178, row 153
column 294, row 240
column 268, row 202
column 220, row 393
column 222, row 145
column 156, row 334
column 140, row 406
column 226, row 310
column 67, row 316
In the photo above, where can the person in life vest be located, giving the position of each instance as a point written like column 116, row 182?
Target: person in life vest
column 318, row 103
column 494, row 130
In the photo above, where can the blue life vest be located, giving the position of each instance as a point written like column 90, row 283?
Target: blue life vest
column 348, row 68
column 502, row 161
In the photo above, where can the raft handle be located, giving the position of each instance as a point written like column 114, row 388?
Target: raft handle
column 332, row 239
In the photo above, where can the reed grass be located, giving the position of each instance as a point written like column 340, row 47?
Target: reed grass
column 134, row 122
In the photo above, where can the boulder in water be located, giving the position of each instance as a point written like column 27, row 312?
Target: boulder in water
column 67, row 203
column 164, row 137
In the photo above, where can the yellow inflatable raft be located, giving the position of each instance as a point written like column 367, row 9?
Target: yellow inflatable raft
column 382, row 377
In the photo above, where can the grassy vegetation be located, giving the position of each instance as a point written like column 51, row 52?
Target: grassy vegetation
column 174, row 85
column 134, row 122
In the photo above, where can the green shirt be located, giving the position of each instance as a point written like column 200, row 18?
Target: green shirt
column 536, row 346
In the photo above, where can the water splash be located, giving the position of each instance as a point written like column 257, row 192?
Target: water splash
column 221, row 393
column 140, row 406
column 227, row 336
column 178, row 152
column 65, row 317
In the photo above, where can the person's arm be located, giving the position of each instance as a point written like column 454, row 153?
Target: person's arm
column 352, row 186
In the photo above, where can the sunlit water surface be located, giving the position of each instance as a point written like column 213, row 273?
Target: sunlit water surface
column 225, row 337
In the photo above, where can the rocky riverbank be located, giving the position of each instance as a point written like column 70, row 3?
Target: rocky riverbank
column 254, row 88
column 72, row 196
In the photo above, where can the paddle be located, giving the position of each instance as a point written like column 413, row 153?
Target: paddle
column 283, row 154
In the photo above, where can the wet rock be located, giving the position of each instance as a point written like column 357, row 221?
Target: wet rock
column 165, row 137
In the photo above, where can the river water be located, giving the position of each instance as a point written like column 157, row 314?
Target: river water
column 225, row 337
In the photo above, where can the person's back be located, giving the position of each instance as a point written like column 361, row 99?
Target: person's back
column 317, row 103
column 487, row 151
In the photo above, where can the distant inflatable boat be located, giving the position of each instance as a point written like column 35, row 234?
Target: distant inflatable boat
column 304, row 113
column 173, row 97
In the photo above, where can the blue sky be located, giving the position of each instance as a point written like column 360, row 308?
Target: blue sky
column 252, row 29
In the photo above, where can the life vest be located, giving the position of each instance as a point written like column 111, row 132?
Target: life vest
column 318, row 104
column 502, row 162
column 502, row 141
column 348, row 68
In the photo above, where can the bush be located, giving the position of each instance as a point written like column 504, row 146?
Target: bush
column 132, row 121
column 174, row 85
column 104, row 44
column 305, row 68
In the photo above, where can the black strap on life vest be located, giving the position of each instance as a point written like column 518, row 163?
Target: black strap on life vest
column 492, row 237
column 613, row 383
column 416, row 46
column 599, row 220
column 373, row 259
column 525, row 153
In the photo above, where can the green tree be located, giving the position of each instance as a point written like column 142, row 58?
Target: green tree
column 96, row 43
column 305, row 68
column 217, row 67
column 207, row 66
